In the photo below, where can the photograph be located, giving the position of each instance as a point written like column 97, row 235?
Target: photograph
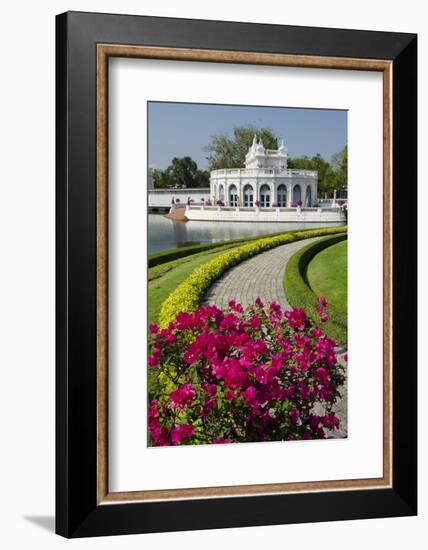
column 247, row 302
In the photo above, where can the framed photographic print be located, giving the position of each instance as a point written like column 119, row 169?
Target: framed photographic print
column 236, row 274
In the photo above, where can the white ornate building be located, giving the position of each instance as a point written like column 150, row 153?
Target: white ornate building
column 265, row 181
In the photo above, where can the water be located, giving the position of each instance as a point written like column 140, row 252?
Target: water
column 164, row 234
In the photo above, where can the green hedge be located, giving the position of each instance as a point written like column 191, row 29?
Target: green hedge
column 188, row 295
column 165, row 256
column 176, row 253
column 300, row 294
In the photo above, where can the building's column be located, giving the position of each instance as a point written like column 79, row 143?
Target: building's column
column 274, row 193
column 289, row 193
column 303, row 194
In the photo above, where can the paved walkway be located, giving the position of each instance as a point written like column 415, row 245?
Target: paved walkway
column 261, row 277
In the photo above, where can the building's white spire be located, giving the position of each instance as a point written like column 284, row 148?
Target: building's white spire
column 254, row 140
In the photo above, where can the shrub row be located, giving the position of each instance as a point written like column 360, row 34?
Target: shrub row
column 188, row 295
column 165, row 256
column 299, row 293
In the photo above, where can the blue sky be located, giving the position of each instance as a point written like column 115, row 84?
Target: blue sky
column 183, row 129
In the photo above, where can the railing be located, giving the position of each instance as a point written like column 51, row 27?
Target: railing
column 263, row 209
column 248, row 172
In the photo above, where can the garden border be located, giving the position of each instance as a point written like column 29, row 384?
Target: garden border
column 298, row 291
column 188, row 295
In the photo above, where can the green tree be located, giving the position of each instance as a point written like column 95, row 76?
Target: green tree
column 229, row 152
column 161, row 178
column 181, row 173
column 339, row 163
column 315, row 163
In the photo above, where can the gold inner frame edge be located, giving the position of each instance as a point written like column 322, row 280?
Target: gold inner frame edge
column 104, row 52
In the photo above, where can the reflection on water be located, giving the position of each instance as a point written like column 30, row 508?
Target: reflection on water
column 164, row 234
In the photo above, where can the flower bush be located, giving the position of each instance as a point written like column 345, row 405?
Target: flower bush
column 188, row 295
column 243, row 375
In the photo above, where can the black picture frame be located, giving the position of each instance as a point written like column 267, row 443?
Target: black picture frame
column 78, row 513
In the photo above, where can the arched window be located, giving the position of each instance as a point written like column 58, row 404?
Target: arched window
column 308, row 196
column 233, row 196
column 282, row 195
column 221, row 192
column 248, row 195
column 297, row 195
column 265, row 196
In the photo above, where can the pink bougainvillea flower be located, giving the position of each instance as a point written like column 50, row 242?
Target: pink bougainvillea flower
column 235, row 306
column 154, row 359
column 316, row 332
column 252, row 374
column 182, row 396
column 255, row 322
column 314, row 421
column 322, row 300
column 345, row 357
column 294, row 415
column 209, row 405
column 249, row 395
column 229, row 395
column 182, row 432
column 322, row 375
column 296, row 318
column 154, row 329
column 209, row 388
column 324, row 318
column 330, row 421
column 259, row 303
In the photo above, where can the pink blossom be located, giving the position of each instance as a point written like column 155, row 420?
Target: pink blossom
column 255, row 322
column 296, row 318
column 235, row 306
column 322, row 300
column 316, row 332
column 322, row 375
column 154, row 329
column 294, row 415
column 209, row 388
column 253, row 374
column 182, row 432
column 330, row 421
column 182, row 396
column 209, row 405
column 154, row 359
column 249, row 395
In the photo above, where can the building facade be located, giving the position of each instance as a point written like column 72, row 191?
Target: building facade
column 265, row 181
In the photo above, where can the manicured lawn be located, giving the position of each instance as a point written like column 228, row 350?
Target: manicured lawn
column 327, row 275
column 320, row 268
column 164, row 278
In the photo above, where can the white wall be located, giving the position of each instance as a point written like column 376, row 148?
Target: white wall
column 27, row 273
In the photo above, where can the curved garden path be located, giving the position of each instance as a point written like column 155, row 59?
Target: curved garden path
column 262, row 277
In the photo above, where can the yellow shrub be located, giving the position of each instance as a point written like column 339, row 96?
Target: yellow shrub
column 189, row 294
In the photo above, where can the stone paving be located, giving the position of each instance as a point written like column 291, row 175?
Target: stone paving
column 258, row 277
column 262, row 277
